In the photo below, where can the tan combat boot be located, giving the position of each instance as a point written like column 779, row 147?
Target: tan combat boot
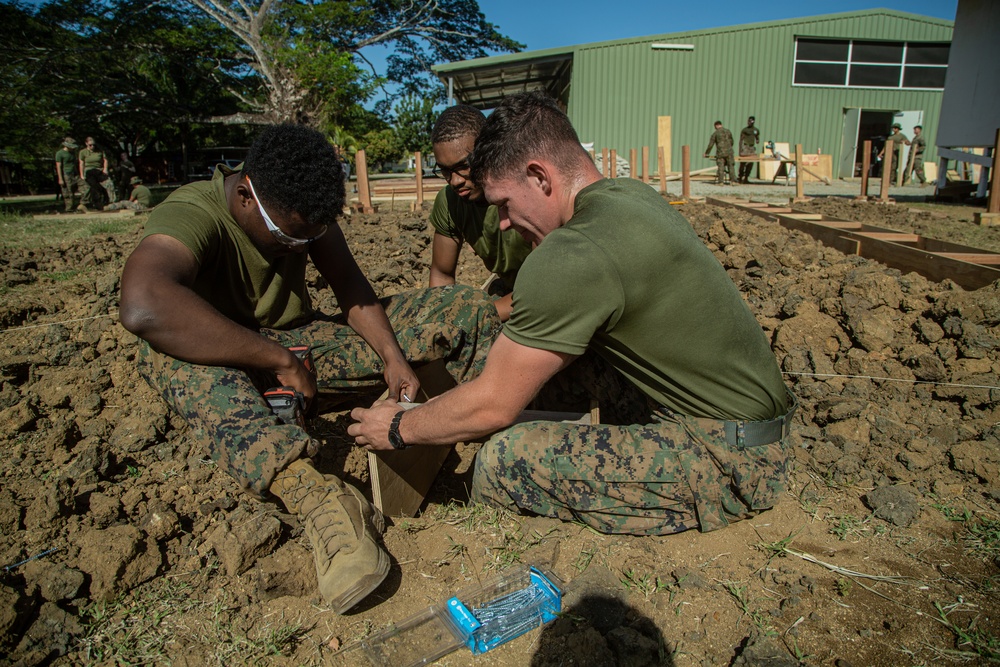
column 340, row 524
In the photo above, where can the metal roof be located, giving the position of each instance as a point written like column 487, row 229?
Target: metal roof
column 483, row 82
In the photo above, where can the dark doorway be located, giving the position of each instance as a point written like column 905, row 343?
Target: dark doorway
column 873, row 126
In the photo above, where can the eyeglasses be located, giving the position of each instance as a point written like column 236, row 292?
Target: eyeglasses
column 445, row 172
column 282, row 237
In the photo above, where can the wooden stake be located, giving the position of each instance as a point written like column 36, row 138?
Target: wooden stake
column 364, row 194
column 800, row 193
column 418, row 162
column 663, row 172
column 604, row 162
column 993, row 204
column 883, row 195
column 685, row 172
column 613, row 163
column 645, row 164
column 866, row 163
column 632, row 162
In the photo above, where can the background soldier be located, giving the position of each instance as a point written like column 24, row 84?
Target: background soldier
column 722, row 139
column 898, row 139
column 919, row 144
column 749, row 136
column 94, row 174
column 66, row 172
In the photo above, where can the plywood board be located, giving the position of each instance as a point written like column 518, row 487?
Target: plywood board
column 401, row 479
column 663, row 140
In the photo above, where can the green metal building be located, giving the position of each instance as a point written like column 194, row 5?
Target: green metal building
column 828, row 82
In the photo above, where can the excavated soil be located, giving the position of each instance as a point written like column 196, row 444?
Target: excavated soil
column 883, row 552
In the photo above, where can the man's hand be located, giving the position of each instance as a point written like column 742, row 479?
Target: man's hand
column 402, row 381
column 707, row 155
column 371, row 427
column 294, row 374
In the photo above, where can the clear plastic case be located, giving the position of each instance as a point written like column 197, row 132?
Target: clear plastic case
column 482, row 617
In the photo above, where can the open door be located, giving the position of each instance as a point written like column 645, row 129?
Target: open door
column 849, row 145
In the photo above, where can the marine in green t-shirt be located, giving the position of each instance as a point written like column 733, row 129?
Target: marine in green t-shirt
column 620, row 302
column 216, row 289
column 460, row 214
column 66, row 172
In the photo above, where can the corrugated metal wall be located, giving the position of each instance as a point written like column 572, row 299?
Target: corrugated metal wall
column 620, row 88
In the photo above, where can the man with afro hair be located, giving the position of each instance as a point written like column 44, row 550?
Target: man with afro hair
column 462, row 215
column 216, row 290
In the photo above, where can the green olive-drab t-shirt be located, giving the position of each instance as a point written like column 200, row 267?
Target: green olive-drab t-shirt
column 479, row 226
column 67, row 161
column 628, row 277
column 91, row 159
column 142, row 195
column 233, row 275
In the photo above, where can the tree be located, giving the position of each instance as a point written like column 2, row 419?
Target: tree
column 415, row 118
column 381, row 147
column 306, row 52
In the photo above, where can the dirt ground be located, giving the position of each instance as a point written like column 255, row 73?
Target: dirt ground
column 884, row 551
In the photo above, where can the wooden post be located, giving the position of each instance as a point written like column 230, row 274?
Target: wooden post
column 663, row 172
column 883, row 195
column 613, row 163
column 685, row 172
column 418, row 162
column 866, row 163
column 604, row 162
column 364, row 194
column 663, row 140
column 645, row 164
column 632, row 162
column 800, row 193
column 993, row 204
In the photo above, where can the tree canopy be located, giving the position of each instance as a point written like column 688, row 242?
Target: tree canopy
column 134, row 73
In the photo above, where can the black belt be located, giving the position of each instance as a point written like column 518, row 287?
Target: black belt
column 754, row 434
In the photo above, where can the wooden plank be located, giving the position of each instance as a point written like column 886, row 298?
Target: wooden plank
column 364, row 194
column 663, row 173
column 645, row 164
column 990, row 259
column 663, row 140
column 401, row 479
column 418, row 163
column 895, row 237
column 685, row 172
column 932, row 266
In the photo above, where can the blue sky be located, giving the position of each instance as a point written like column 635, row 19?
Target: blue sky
column 543, row 24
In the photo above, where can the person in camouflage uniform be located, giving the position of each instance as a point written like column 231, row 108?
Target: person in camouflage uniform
column 95, row 182
column 919, row 145
column 722, row 139
column 216, row 289
column 461, row 215
column 749, row 136
column 642, row 318
column 66, row 172
column 898, row 139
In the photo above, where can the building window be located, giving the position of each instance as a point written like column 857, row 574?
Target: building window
column 848, row 63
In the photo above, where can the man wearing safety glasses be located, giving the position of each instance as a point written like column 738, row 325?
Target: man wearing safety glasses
column 217, row 290
column 462, row 215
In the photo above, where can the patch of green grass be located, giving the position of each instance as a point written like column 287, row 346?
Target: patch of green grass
column 848, row 526
column 24, row 231
column 61, row 276
column 970, row 638
column 982, row 534
column 741, row 594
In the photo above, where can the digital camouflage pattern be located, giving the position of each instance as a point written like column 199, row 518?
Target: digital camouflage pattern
column 722, row 139
column 665, row 474
column 225, row 405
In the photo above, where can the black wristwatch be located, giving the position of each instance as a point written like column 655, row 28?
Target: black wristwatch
column 395, row 439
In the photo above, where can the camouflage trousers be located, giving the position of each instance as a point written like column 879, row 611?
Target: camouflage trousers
column 89, row 185
column 70, row 181
column 665, row 474
column 724, row 164
column 456, row 324
column 917, row 170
